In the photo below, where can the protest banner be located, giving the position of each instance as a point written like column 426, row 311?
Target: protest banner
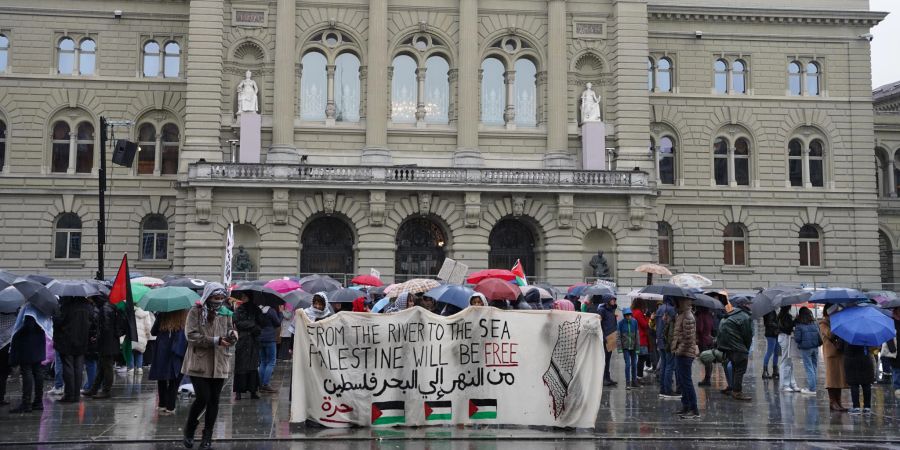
column 482, row 365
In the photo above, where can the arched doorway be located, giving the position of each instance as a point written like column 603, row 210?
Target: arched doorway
column 886, row 258
column 245, row 259
column 420, row 249
column 595, row 241
column 327, row 247
column 512, row 240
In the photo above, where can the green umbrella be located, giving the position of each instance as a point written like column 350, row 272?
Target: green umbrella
column 167, row 299
column 138, row 291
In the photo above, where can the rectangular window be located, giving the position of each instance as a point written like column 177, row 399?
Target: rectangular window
column 721, row 171
column 804, row 254
column 664, row 252
column 146, row 159
column 62, row 243
column 667, row 170
column 739, row 253
column 75, row 244
column 60, row 157
column 85, row 158
column 742, row 171
column 795, row 169
column 816, row 173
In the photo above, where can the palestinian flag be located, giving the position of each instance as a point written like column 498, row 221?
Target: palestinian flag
column 120, row 296
column 388, row 413
column 482, row 408
column 519, row 273
column 438, row 411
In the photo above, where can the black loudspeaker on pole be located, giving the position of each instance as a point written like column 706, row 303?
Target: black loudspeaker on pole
column 101, row 184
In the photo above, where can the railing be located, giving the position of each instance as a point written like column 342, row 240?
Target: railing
column 399, row 175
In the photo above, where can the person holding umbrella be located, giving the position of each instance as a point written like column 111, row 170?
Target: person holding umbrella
column 271, row 320
column 773, row 351
column 806, row 335
column 895, row 364
column 684, row 347
column 248, row 321
column 734, row 339
column 662, row 318
column 165, row 368
column 786, row 344
column 75, row 328
column 833, row 353
column 27, row 350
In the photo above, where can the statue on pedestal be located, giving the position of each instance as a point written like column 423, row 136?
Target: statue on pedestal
column 242, row 261
column 591, row 110
column 247, row 95
column 600, row 265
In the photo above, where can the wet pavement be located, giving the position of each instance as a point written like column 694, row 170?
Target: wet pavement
column 628, row 419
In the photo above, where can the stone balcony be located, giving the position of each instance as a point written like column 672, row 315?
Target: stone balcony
column 205, row 174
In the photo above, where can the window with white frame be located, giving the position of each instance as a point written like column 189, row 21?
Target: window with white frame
column 730, row 76
column 731, row 161
column 509, row 84
column 806, row 159
column 72, row 143
column 162, row 61
column 4, row 53
column 420, row 81
column 660, row 76
column 805, row 77
column 664, row 243
column 76, row 59
column 159, row 142
column 493, row 94
column 810, row 246
column 87, row 57
column 735, row 245
column 66, row 56
column 154, row 238
column 67, row 237
column 330, row 85
column 663, row 147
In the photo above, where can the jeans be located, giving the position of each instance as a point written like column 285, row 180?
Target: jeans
column 137, row 360
column 810, row 358
column 631, row 359
column 266, row 362
column 32, row 383
column 666, row 369
column 785, row 364
column 867, row 395
column 168, row 393
column 58, row 371
column 72, row 372
column 688, row 395
column 772, row 351
column 206, row 392
column 90, row 369
column 738, row 362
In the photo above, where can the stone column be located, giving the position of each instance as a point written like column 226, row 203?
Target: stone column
column 73, row 151
column 467, row 154
column 732, row 176
column 203, row 97
column 509, row 113
column 629, row 96
column 283, row 146
column 557, row 155
column 376, row 151
column 892, row 183
column 420, row 96
column 330, row 108
column 805, row 166
column 157, row 155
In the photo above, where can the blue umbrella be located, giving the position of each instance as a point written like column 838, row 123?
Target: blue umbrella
column 451, row 294
column 863, row 325
column 838, row 295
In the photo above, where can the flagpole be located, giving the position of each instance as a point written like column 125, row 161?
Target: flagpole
column 101, row 185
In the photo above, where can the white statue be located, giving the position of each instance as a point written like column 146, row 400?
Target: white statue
column 247, row 90
column 590, row 105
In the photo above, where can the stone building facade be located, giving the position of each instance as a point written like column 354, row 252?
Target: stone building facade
column 397, row 133
column 887, row 159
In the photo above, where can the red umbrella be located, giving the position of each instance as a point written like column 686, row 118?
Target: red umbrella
column 495, row 289
column 366, row 280
column 487, row 274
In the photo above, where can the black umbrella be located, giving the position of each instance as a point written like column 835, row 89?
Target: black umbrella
column 344, row 295
column 378, row 290
column 318, row 283
column 298, row 299
column 10, row 300
column 598, row 289
column 667, row 289
column 708, row 302
column 194, row 284
column 38, row 295
column 549, row 288
column 101, row 286
column 43, row 279
column 260, row 295
column 8, row 277
column 70, row 288
column 890, row 304
column 764, row 302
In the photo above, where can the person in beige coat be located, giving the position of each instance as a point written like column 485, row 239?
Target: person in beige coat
column 834, row 364
column 684, row 347
column 210, row 333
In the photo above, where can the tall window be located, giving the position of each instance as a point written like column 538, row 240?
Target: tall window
column 526, row 93
column 731, row 163
column 729, row 76
column 66, row 56
column 67, row 237
column 346, row 88
column 87, row 57
column 437, row 90
column 171, row 142
column 172, row 60
column 794, row 78
column 155, row 238
column 805, row 78
column 147, row 149
column 795, row 162
column 735, row 239
column 151, row 59
column 738, row 77
column 493, row 94
column 2, row 145
column 659, row 74
column 509, row 91
column 816, row 163
column 720, row 161
column 4, row 52
column 59, row 158
column 810, row 247
column 330, row 87
column 664, row 240
column 812, row 79
column 84, row 148
column 666, row 160
column 313, row 92
column 166, row 62
column 403, row 90
column 721, row 76
column 806, row 160
column 742, row 162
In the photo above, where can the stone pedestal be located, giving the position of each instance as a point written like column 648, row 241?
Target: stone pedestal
column 593, row 146
column 250, row 137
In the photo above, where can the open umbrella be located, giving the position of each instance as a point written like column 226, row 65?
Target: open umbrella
column 260, row 295
column 863, row 325
column 148, row 281
column 8, row 277
column 39, row 278
column 598, row 289
column 168, row 299
column 708, row 302
column 690, row 281
column 501, row 274
column 10, row 300
column 495, row 289
column 138, row 291
column 574, row 290
column 838, row 295
column 194, row 284
column 344, row 295
column 451, row 294
column 549, row 288
column 379, row 290
column 298, row 299
column 71, row 288
column 652, row 269
column 890, row 304
column 536, row 292
column 636, row 294
column 367, row 280
column 283, row 286
column 667, row 289
column 319, row 283
column 38, row 295
column 415, row 286
column 764, row 302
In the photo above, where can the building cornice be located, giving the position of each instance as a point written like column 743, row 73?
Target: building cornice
column 94, row 14
column 764, row 15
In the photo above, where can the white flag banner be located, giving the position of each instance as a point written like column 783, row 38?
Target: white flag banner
column 414, row 368
column 229, row 246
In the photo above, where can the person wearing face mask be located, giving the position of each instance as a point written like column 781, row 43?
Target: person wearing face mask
column 210, row 333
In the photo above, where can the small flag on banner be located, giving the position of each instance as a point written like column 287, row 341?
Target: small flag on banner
column 229, row 247
column 519, row 273
column 388, row 413
column 482, row 408
column 438, row 410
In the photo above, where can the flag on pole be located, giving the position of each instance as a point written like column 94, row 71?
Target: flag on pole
column 120, row 296
column 229, row 246
column 519, row 273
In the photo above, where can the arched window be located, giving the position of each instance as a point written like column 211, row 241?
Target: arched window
column 794, row 82
column 810, row 246
column 171, row 142
column 721, row 76
column 806, row 160
column 151, row 59
column 4, row 53
column 346, row 88
column 2, row 145
column 59, row 151
column 437, row 90
column 511, row 240
column 795, row 162
column 403, row 90
column 664, row 240
column 155, row 238
column 313, row 91
column 816, row 163
column 886, row 259
column 493, row 92
column 738, row 77
column 67, row 237
column 87, row 57
column 735, row 239
column 526, row 93
column 651, row 74
column 742, row 162
column 66, row 56
column 327, row 247
column 812, row 79
column 420, row 249
column 893, row 165
column 664, row 71
column 84, row 148
column 146, row 149
column 172, row 60
column 720, row 161
column 667, row 160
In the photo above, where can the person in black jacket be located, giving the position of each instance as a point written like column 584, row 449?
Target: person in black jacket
column 74, row 328
column 609, row 325
column 27, row 352
column 268, row 331
column 248, row 320
column 772, row 349
column 112, row 327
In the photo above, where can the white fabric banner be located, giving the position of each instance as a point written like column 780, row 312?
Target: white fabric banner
column 482, row 365
column 229, row 246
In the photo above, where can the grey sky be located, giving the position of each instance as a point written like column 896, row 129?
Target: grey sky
column 885, row 61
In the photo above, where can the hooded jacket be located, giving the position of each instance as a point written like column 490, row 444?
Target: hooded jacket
column 144, row 321
column 75, row 327
column 735, row 332
column 684, row 335
column 205, row 357
column 607, row 318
